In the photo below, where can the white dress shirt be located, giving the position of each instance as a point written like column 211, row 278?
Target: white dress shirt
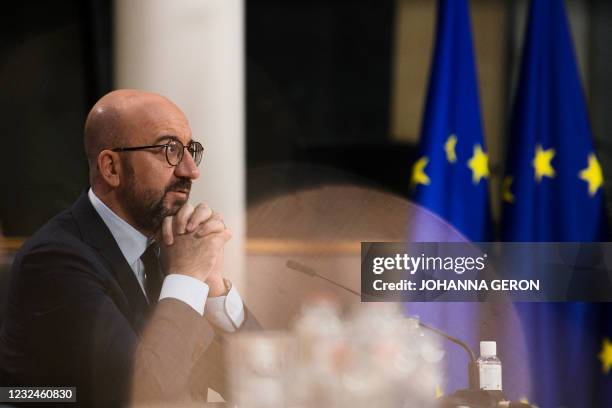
column 226, row 312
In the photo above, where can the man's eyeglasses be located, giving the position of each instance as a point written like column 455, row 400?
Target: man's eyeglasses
column 174, row 151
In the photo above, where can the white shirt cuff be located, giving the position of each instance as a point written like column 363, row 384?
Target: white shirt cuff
column 226, row 312
column 186, row 289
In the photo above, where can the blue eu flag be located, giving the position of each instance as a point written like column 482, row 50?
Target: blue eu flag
column 553, row 192
column 451, row 176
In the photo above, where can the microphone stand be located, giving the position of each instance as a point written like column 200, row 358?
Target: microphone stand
column 473, row 394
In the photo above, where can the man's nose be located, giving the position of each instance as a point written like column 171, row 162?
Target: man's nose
column 187, row 167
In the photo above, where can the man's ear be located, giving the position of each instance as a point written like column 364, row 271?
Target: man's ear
column 109, row 167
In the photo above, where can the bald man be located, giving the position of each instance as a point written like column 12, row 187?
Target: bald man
column 122, row 295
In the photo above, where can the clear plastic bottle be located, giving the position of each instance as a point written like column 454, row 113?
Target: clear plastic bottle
column 489, row 367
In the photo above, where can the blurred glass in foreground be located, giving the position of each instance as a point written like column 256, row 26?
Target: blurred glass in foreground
column 372, row 357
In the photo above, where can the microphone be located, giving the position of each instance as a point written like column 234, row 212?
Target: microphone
column 473, row 395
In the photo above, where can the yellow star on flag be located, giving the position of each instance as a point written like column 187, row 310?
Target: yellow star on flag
column 418, row 172
column 479, row 163
column 592, row 175
column 507, row 195
column 541, row 163
column 606, row 356
column 449, row 148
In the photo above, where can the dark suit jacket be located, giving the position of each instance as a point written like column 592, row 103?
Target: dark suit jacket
column 76, row 316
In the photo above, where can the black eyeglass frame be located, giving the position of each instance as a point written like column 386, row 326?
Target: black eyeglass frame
column 193, row 147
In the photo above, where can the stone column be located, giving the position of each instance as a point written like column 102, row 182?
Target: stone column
column 192, row 51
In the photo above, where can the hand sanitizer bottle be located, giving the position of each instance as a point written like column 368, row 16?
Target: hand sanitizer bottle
column 489, row 367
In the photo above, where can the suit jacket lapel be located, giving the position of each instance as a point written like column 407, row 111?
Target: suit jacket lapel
column 97, row 234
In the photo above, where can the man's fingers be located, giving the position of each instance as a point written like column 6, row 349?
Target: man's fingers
column 211, row 226
column 219, row 239
column 227, row 234
column 214, row 224
column 217, row 216
column 181, row 218
column 167, row 235
column 200, row 215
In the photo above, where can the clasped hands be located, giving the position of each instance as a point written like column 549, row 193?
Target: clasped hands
column 192, row 243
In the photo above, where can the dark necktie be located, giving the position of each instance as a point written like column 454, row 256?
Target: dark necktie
column 153, row 276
